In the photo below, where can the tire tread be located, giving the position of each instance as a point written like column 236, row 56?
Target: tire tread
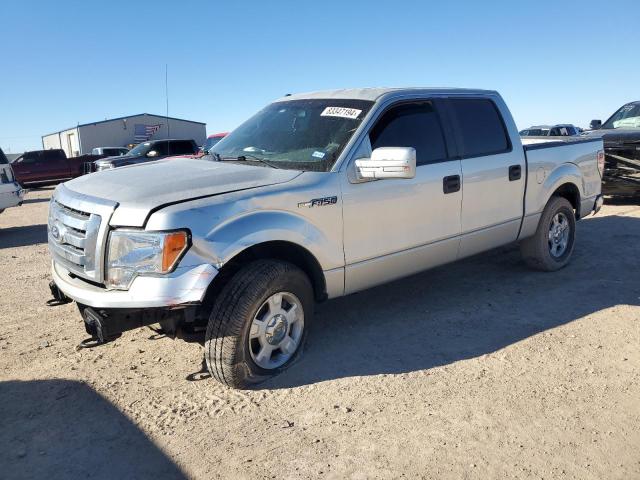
column 224, row 334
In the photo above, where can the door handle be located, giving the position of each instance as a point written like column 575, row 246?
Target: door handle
column 515, row 172
column 451, row 184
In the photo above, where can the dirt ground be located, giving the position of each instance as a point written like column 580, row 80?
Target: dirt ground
column 481, row 369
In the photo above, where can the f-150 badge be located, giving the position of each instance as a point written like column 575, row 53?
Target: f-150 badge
column 319, row 202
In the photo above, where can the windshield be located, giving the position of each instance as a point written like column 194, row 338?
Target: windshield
column 299, row 134
column 141, row 149
column 535, row 132
column 211, row 141
column 627, row 117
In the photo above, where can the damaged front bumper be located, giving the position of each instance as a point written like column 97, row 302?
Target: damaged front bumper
column 170, row 300
column 185, row 286
column 622, row 172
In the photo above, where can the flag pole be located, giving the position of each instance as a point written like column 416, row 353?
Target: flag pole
column 166, row 90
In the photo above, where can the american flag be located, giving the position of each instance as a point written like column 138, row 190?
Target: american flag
column 142, row 132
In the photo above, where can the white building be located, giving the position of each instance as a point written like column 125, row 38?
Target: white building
column 123, row 131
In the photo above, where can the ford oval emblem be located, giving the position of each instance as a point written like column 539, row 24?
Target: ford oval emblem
column 55, row 232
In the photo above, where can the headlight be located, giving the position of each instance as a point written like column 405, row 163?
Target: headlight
column 133, row 253
column 103, row 166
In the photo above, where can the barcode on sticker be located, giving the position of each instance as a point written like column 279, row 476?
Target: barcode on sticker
column 341, row 112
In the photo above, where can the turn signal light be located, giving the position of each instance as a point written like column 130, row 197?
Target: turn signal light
column 174, row 245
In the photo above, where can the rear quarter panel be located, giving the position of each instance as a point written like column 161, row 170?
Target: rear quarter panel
column 549, row 167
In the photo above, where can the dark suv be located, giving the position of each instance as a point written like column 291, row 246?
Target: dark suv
column 148, row 152
column 621, row 136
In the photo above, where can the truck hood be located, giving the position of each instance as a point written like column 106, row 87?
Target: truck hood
column 140, row 189
column 615, row 136
column 120, row 160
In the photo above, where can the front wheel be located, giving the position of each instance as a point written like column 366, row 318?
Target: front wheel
column 550, row 248
column 258, row 323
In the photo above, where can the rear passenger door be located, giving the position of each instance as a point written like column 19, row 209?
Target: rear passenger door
column 493, row 175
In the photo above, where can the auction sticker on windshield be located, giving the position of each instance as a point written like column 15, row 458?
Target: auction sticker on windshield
column 341, row 112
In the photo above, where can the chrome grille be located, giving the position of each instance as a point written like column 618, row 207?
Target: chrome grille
column 78, row 230
column 73, row 236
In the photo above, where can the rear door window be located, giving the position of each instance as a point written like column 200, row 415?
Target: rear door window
column 53, row 155
column 480, row 127
column 3, row 158
column 181, row 147
column 414, row 125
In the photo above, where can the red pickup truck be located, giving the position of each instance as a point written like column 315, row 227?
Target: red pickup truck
column 49, row 166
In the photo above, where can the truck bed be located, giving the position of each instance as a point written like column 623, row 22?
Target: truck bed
column 533, row 143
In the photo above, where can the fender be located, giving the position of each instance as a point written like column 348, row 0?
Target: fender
column 231, row 237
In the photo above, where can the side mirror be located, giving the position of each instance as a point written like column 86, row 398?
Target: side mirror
column 152, row 153
column 388, row 162
column 595, row 124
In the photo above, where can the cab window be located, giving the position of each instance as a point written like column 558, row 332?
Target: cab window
column 480, row 127
column 414, row 125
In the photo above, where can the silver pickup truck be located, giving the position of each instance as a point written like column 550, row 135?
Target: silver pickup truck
column 316, row 196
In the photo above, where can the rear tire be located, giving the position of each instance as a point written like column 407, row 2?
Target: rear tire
column 550, row 248
column 258, row 323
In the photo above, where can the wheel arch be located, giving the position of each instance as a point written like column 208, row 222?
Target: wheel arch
column 570, row 191
column 275, row 250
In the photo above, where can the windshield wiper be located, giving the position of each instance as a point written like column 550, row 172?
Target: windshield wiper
column 243, row 158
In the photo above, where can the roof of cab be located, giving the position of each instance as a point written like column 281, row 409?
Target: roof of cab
column 373, row 94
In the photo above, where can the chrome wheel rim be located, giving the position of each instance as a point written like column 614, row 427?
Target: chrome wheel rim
column 276, row 330
column 559, row 231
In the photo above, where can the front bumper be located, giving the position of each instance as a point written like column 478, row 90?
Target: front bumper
column 185, row 286
column 598, row 205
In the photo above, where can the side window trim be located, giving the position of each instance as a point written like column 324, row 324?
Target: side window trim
column 448, row 129
column 448, row 142
column 458, row 131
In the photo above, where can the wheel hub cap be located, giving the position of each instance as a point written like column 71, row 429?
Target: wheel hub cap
column 559, row 232
column 276, row 329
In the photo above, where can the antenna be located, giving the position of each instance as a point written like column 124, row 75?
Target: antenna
column 166, row 90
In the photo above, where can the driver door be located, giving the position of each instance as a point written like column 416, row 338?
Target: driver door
column 28, row 167
column 396, row 227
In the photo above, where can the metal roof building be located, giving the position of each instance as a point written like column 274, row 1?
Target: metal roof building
column 123, row 131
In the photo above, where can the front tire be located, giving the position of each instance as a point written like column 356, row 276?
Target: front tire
column 258, row 323
column 550, row 248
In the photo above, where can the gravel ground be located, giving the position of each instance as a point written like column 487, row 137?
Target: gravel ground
column 481, row 369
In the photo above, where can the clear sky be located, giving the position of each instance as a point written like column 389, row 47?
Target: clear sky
column 69, row 62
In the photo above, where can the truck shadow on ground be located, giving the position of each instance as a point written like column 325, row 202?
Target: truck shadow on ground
column 64, row 429
column 23, row 236
column 468, row 309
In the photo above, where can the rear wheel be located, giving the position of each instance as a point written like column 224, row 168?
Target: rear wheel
column 258, row 323
column 550, row 248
